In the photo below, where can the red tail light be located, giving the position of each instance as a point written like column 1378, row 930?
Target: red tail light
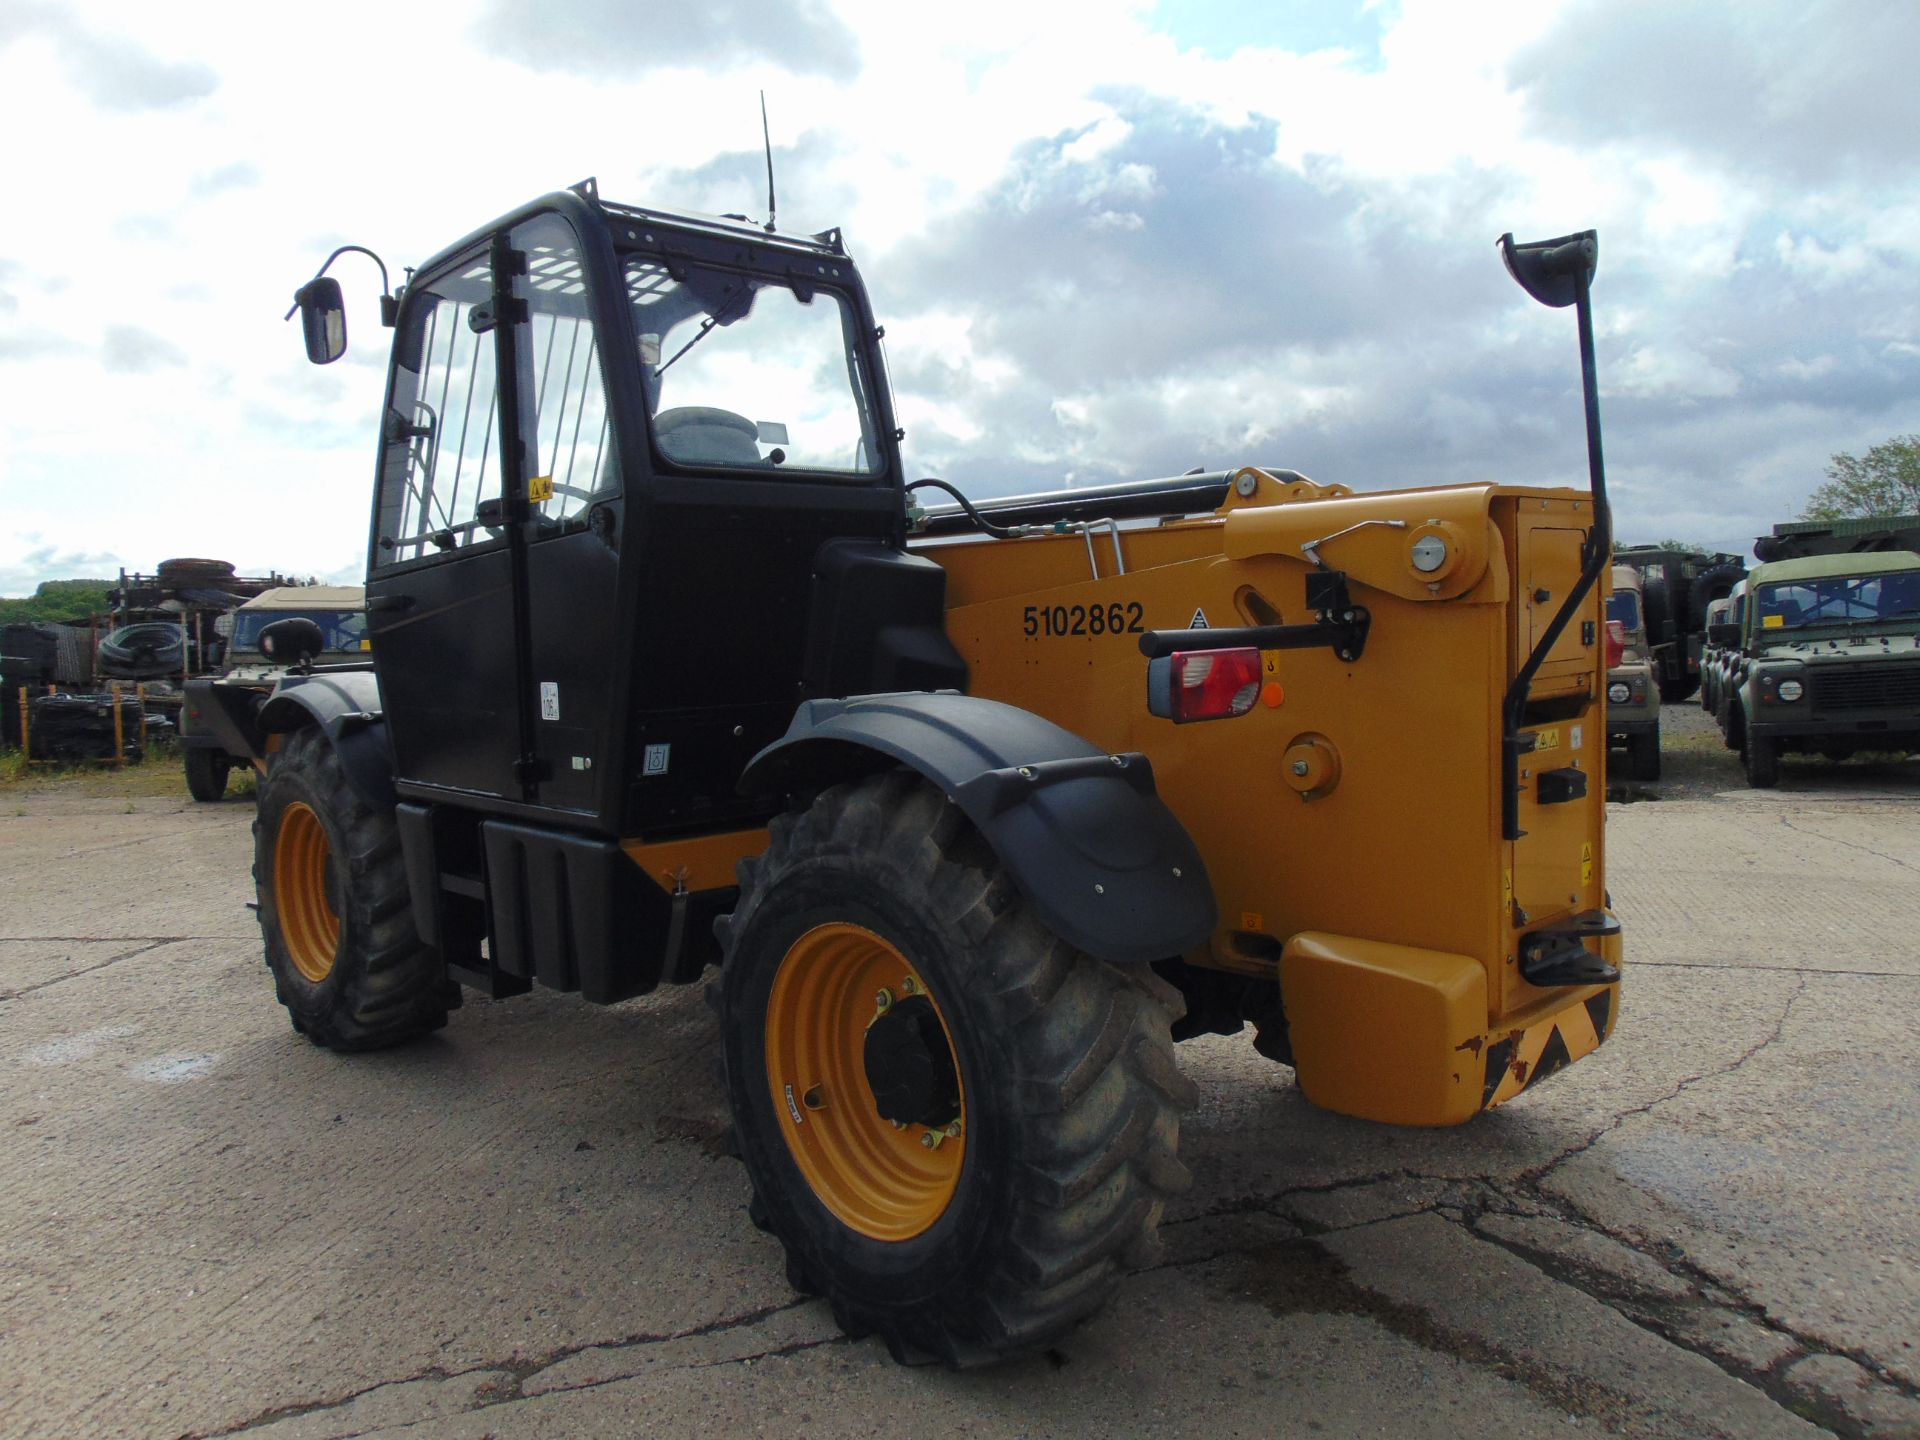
column 1616, row 643
column 1213, row 684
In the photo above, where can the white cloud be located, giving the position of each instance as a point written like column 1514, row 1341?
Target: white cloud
column 1751, row 305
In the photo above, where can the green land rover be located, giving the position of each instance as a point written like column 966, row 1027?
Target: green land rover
column 1822, row 655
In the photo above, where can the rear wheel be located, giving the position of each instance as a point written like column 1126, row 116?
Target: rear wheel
column 1760, row 758
column 206, row 773
column 334, row 908
column 960, row 1128
column 1643, row 756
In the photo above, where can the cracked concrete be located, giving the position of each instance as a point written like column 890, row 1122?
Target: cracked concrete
column 524, row 1226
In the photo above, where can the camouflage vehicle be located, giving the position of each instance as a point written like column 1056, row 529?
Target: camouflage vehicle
column 1823, row 657
column 1633, row 692
column 217, row 723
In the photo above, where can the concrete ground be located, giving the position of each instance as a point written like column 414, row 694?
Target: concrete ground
column 528, row 1226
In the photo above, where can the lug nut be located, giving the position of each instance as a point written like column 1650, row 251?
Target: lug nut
column 883, row 1002
column 929, row 1140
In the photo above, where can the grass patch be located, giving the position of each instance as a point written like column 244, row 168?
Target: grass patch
column 160, row 773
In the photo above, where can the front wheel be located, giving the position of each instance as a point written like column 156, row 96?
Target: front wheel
column 346, row 959
column 206, row 774
column 960, row 1128
column 1760, row 758
column 1643, row 756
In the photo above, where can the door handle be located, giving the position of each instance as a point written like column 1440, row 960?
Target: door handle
column 379, row 603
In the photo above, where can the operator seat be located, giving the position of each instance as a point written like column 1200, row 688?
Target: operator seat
column 700, row 434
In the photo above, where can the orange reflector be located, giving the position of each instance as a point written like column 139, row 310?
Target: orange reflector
column 1273, row 695
column 1214, row 684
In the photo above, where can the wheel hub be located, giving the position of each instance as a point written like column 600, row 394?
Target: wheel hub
column 857, row 1090
column 909, row 1066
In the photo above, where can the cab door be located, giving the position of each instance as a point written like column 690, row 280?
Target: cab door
column 440, row 603
column 491, row 583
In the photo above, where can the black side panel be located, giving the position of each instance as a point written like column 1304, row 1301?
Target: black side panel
column 574, row 912
column 445, row 652
column 1083, row 833
column 877, row 623
column 415, row 823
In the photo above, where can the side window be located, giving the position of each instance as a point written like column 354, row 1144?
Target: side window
column 571, row 456
column 440, row 457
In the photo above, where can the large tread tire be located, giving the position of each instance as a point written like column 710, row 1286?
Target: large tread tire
column 1760, row 758
column 207, row 774
column 1643, row 756
column 1072, row 1094
column 382, row 984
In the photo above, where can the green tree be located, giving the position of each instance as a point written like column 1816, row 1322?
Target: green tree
column 1885, row 481
column 58, row 600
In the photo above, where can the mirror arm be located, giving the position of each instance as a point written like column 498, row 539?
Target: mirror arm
column 389, row 303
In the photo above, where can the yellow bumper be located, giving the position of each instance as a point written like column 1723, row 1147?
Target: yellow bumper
column 1402, row 1035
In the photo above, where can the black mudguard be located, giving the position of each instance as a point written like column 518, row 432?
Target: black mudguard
column 1083, row 833
column 346, row 705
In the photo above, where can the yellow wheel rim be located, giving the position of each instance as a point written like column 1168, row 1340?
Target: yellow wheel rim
column 887, row 1181
column 308, row 922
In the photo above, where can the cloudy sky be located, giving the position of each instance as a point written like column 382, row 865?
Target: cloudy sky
column 1110, row 239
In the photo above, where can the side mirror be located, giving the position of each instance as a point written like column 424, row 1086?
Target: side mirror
column 292, row 641
column 323, row 319
column 1723, row 632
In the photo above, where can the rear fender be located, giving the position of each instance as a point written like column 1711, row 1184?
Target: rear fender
column 1084, row 834
column 346, row 705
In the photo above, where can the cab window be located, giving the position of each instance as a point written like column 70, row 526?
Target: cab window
column 746, row 372
column 439, row 457
column 571, row 459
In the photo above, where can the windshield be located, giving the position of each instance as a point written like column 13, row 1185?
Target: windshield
column 1624, row 606
column 743, row 371
column 341, row 629
column 1839, row 600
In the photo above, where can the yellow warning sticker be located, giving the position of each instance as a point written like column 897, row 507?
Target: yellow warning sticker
column 1506, row 890
column 1272, row 659
column 539, row 489
column 1586, row 863
column 1252, row 920
column 1546, row 740
column 1773, row 622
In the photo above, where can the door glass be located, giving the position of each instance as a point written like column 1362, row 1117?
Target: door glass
column 571, row 459
column 440, row 444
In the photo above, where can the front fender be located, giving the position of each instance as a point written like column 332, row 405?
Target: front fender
column 1084, row 834
column 346, row 705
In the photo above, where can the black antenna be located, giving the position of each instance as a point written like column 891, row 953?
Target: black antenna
column 768, row 138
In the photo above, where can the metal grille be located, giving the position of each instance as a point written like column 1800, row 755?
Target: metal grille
column 1867, row 687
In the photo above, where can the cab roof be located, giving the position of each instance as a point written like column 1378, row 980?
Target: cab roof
column 310, row 597
column 1819, row 567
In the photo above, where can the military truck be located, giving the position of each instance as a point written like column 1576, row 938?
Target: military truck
column 1863, row 534
column 977, row 807
column 1676, row 588
column 1633, row 693
column 219, row 727
column 1716, row 661
column 1822, row 655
